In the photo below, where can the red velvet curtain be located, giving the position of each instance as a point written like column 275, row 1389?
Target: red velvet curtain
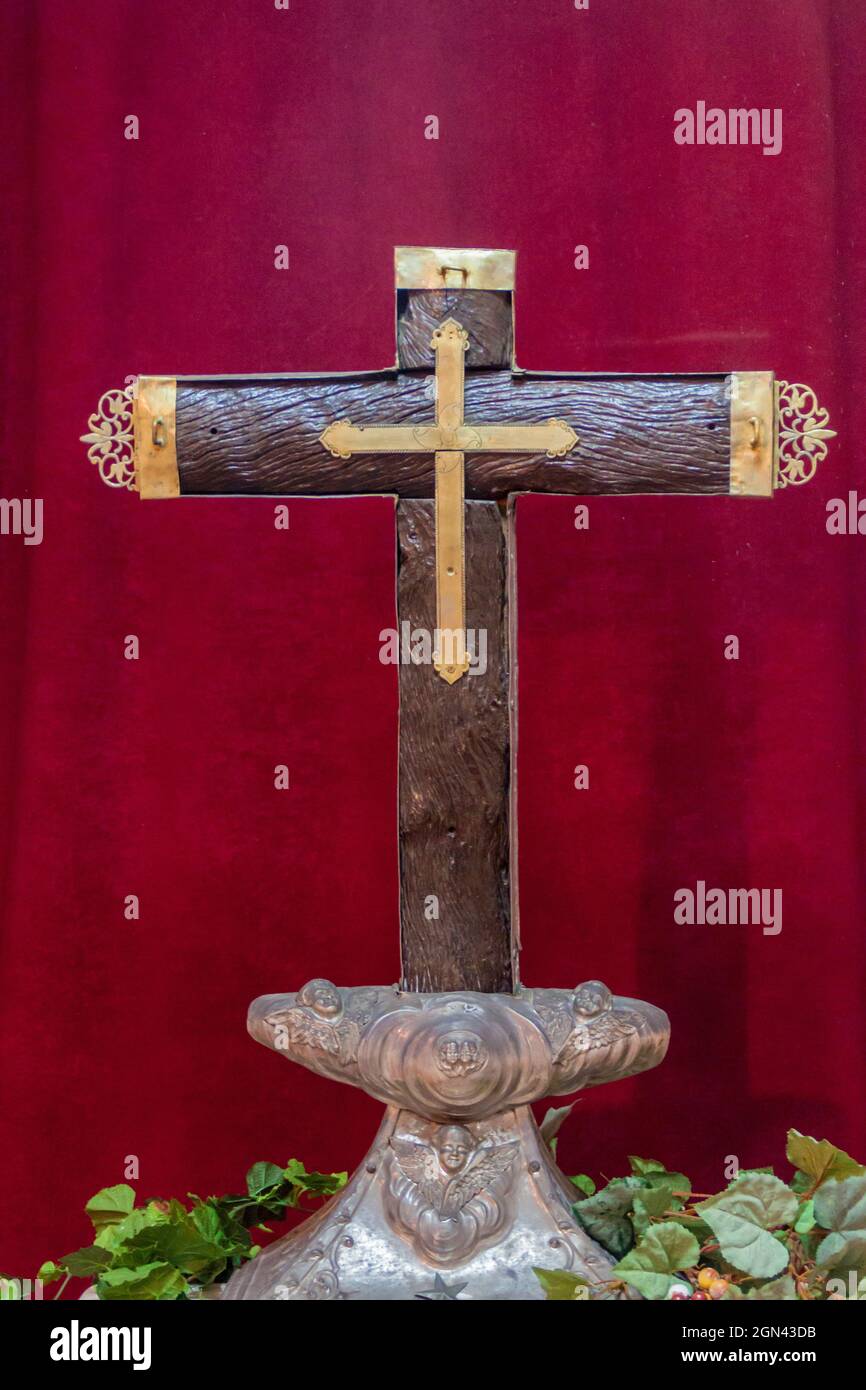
column 304, row 127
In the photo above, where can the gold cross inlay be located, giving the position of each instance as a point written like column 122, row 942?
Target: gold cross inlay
column 449, row 438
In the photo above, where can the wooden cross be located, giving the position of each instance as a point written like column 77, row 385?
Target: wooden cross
column 496, row 434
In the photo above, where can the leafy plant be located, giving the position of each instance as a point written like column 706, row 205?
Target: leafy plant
column 166, row 1250
column 761, row 1238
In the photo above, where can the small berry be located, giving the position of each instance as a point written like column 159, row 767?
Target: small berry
column 678, row 1291
column 718, row 1288
column 700, row 1295
column 706, row 1276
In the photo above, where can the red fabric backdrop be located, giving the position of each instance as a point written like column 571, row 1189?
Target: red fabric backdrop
column 305, row 127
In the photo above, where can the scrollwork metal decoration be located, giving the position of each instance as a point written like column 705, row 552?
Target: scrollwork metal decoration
column 802, row 433
column 110, row 438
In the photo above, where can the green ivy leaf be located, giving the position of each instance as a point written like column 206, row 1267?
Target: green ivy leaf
column 584, row 1184
column 114, row 1237
column 698, row 1227
column 178, row 1243
column 159, row 1210
column 49, row 1272
column 819, row 1159
column 805, row 1218
column 221, row 1229
column 772, row 1289
column 657, row 1257
column 742, row 1220
column 655, row 1174
column 148, row 1281
column 840, row 1208
column 640, row 1167
column 654, row 1202
column 324, row 1184
column 86, row 1263
column 560, row 1286
column 207, row 1222
column 552, row 1123
column 263, row 1176
column 605, row 1216
column 109, row 1205
column 318, row 1184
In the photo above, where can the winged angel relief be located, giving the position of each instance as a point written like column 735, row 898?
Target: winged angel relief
column 318, row 1023
column 447, row 1188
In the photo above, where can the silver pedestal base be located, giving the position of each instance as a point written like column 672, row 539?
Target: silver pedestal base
column 458, row 1197
column 477, row 1204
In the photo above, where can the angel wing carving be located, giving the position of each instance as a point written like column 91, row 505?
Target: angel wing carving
column 601, row 1032
column 448, row 1188
column 305, row 1030
column 448, row 1194
column 419, row 1163
column 489, row 1162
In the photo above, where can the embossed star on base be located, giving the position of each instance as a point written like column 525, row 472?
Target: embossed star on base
column 441, row 1290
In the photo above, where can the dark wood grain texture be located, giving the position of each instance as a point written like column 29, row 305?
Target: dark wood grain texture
column 454, row 771
column 485, row 314
column 637, row 434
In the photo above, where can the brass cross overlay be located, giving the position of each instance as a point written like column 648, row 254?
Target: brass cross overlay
column 449, row 438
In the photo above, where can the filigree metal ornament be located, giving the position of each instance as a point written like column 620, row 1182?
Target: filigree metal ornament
column 110, row 438
column 459, row 1176
column 802, row 433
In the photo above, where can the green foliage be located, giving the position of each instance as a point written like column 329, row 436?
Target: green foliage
column 840, row 1208
column 653, row 1262
column 561, row 1286
column 762, row 1293
column 758, row 1239
column 654, row 1204
column 817, row 1160
column 166, row 1250
column 148, row 1281
column 744, row 1218
column 110, row 1205
column 605, row 1216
